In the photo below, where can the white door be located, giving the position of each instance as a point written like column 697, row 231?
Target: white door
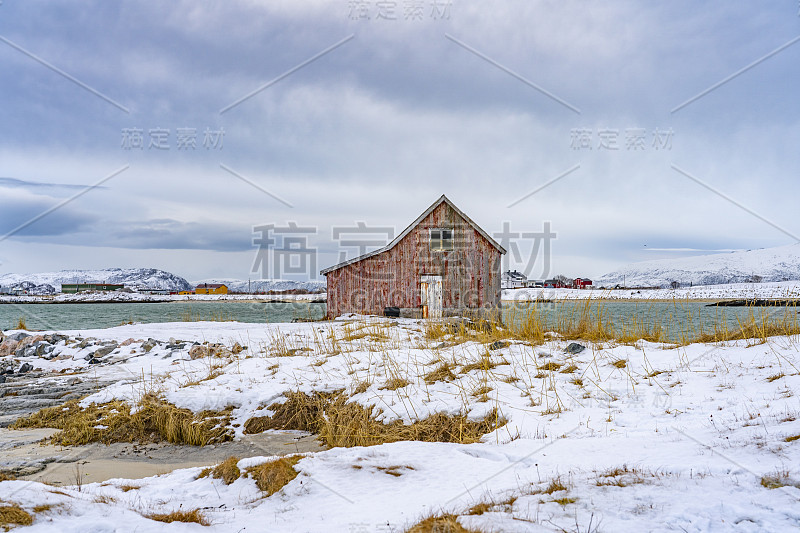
column 431, row 291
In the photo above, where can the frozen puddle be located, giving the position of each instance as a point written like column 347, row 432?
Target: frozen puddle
column 25, row 455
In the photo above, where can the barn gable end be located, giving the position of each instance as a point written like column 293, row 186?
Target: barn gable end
column 467, row 261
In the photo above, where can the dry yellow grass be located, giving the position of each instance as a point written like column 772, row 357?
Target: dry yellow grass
column 21, row 323
column 339, row 423
column 12, row 514
column 155, row 420
column 272, row 476
column 592, row 322
column 484, row 364
column 759, row 328
column 443, row 372
column 395, row 383
column 227, row 470
column 444, row 523
column 192, row 516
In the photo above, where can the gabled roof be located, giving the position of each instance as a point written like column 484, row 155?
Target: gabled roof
column 442, row 199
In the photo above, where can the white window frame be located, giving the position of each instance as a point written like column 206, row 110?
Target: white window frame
column 436, row 236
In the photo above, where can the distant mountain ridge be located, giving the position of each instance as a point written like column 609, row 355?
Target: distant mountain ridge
column 767, row 264
column 134, row 278
column 266, row 285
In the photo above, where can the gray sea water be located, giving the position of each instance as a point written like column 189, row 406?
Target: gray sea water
column 678, row 320
column 106, row 315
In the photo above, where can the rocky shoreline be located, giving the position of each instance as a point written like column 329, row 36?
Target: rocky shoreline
column 25, row 388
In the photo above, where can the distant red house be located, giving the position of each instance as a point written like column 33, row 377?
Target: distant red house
column 554, row 284
column 581, row 283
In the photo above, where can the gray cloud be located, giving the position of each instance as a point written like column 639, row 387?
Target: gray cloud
column 380, row 127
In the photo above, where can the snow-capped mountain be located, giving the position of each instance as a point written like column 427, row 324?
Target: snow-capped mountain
column 768, row 264
column 267, row 285
column 134, row 278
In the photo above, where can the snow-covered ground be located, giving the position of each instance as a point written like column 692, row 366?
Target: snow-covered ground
column 674, row 439
column 731, row 291
column 768, row 264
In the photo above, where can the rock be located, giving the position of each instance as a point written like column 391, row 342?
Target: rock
column 196, row 352
column 2, row 378
column 24, row 347
column 498, row 345
column 149, row 344
column 8, row 346
column 73, row 381
column 126, row 342
column 18, row 336
column 26, row 367
column 105, row 350
column 574, row 348
column 42, row 348
column 238, row 348
column 94, row 361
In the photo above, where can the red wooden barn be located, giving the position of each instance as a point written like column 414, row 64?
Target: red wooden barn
column 442, row 264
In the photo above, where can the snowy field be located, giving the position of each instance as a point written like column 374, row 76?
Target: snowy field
column 613, row 438
column 732, row 291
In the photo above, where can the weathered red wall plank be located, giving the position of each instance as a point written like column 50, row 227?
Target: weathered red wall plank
column 470, row 272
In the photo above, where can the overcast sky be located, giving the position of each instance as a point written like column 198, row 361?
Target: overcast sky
column 336, row 112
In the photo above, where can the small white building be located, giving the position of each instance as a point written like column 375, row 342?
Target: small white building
column 512, row 279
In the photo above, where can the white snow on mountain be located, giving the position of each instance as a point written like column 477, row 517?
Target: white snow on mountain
column 257, row 286
column 763, row 265
column 135, row 278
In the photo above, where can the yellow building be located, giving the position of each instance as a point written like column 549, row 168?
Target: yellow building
column 211, row 288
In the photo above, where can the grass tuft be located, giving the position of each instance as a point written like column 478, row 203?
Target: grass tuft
column 443, row 372
column 550, row 367
column 555, row 485
column 569, row 369
column 155, row 420
column 14, row 515
column 227, row 470
column 484, row 364
column 445, row 523
column 193, row 516
column 777, row 480
column 395, row 383
column 272, row 476
column 339, row 423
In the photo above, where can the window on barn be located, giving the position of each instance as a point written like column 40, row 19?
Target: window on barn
column 441, row 239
